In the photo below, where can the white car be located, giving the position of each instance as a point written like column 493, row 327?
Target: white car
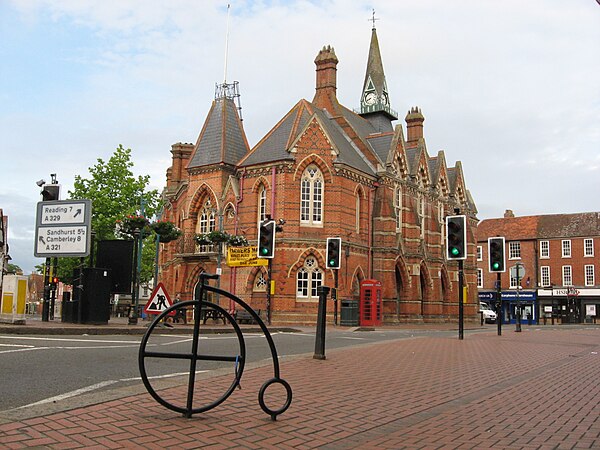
column 489, row 316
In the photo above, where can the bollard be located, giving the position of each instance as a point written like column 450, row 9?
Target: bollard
column 321, row 316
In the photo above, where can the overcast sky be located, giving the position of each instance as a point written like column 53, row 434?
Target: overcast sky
column 510, row 88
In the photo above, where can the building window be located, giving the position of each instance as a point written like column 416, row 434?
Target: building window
column 260, row 283
column 398, row 208
column 206, row 224
column 357, row 217
column 479, row 253
column 422, row 215
column 308, row 279
column 567, row 276
column 545, row 275
column 262, row 204
column 479, row 278
column 566, row 249
column 588, row 247
column 544, row 249
column 311, row 196
column 589, row 275
column 514, row 250
column 441, row 222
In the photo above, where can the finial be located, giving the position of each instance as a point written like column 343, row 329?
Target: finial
column 373, row 18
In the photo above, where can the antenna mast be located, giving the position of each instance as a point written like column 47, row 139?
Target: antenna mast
column 226, row 46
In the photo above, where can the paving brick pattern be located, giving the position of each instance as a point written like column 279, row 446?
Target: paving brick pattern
column 538, row 389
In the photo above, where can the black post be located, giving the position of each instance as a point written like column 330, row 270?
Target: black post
column 335, row 300
column 46, row 304
column 499, row 304
column 269, row 269
column 460, row 300
column 53, row 291
column 518, row 306
column 133, row 313
column 321, row 316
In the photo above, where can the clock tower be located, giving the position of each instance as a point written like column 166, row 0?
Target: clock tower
column 375, row 101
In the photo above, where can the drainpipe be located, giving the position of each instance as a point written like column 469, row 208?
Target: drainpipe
column 233, row 278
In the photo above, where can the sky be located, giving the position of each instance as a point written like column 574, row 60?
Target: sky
column 510, row 88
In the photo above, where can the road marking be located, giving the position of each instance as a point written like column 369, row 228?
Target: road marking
column 56, row 398
column 104, row 341
column 100, row 385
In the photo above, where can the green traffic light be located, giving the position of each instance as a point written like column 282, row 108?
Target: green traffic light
column 264, row 250
column 332, row 262
column 496, row 266
column 454, row 251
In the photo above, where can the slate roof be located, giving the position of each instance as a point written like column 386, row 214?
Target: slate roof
column 222, row 139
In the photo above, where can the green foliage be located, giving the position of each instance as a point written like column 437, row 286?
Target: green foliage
column 216, row 237
column 115, row 193
column 13, row 269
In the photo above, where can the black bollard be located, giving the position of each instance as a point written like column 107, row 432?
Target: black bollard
column 321, row 316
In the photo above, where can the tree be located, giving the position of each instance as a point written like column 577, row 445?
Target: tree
column 14, row 269
column 115, row 193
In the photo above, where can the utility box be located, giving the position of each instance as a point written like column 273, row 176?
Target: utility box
column 14, row 296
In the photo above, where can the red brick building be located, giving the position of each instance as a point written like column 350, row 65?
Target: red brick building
column 326, row 171
column 559, row 255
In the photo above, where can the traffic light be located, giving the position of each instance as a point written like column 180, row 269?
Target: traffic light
column 456, row 237
column 51, row 192
column 266, row 239
column 496, row 254
column 334, row 252
column 54, row 283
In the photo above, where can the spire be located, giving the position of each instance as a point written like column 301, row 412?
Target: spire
column 375, row 96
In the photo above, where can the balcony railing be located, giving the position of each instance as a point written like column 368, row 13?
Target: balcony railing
column 186, row 244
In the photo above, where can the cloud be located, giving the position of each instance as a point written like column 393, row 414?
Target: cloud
column 507, row 88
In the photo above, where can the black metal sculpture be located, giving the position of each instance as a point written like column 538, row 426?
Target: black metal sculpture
column 238, row 360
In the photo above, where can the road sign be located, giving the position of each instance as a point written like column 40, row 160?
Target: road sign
column 63, row 228
column 159, row 301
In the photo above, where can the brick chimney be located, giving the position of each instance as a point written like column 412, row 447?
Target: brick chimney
column 414, row 124
column 325, row 95
column 508, row 214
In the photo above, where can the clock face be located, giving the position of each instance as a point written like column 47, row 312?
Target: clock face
column 370, row 98
column 384, row 99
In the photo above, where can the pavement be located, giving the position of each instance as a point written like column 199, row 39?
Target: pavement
column 537, row 389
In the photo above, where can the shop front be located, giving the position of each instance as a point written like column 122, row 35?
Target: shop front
column 569, row 304
column 515, row 303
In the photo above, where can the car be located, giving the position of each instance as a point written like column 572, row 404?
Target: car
column 489, row 316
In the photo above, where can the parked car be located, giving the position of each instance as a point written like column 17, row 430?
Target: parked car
column 489, row 316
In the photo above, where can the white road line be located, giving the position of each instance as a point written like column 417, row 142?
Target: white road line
column 31, row 338
column 100, row 385
column 56, row 398
column 22, row 350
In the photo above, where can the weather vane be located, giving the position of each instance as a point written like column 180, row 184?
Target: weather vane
column 373, row 18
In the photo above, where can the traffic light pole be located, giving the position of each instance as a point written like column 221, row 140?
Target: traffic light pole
column 335, row 300
column 460, row 300
column 499, row 303
column 269, row 269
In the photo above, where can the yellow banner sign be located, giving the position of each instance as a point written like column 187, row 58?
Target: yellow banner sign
column 244, row 257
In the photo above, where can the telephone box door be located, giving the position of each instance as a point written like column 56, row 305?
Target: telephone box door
column 370, row 303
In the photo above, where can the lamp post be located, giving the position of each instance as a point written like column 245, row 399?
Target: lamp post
column 133, row 315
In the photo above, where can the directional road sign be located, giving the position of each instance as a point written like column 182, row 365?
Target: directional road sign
column 63, row 228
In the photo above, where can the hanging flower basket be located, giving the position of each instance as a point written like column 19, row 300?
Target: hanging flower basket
column 218, row 237
column 166, row 231
column 127, row 226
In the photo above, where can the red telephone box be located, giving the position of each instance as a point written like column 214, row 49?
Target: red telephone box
column 370, row 302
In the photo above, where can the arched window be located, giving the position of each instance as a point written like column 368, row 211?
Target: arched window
column 308, row 279
column 206, row 223
column 398, row 208
column 260, row 283
column 262, row 203
column 311, row 196
column 357, row 217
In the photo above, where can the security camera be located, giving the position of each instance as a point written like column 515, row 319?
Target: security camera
column 41, row 182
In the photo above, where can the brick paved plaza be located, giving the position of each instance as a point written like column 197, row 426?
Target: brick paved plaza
column 538, row 389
